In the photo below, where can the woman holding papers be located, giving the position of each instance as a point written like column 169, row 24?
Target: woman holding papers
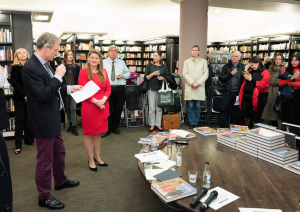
column 254, row 90
column 95, row 110
column 71, row 78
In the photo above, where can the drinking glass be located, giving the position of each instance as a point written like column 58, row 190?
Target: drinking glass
column 192, row 176
column 147, row 167
column 145, row 147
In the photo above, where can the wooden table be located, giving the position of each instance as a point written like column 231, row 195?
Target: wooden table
column 259, row 184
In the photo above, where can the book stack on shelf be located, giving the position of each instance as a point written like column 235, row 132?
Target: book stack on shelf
column 150, row 48
column 121, row 48
column 83, row 46
column 162, row 47
column 80, row 56
column 10, row 105
column 263, row 47
column 5, row 36
column 245, row 49
column 206, row 131
column 133, row 55
column 133, row 48
column 228, row 138
column 9, row 91
column 243, row 130
column 105, row 48
column 6, row 53
column 233, row 48
column 133, row 62
column 281, row 46
column 120, row 55
column 246, row 55
column 62, row 48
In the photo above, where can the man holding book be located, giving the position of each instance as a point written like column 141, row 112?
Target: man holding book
column 117, row 72
column 230, row 77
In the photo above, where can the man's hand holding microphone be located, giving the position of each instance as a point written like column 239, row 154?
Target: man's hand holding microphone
column 60, row 71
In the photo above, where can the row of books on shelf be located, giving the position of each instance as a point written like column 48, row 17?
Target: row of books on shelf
column 281, row 46
column 246, row 55
column 245, row 48
column 150, row 55
column 284, row 54
column 62, row 48
column 80, row 56
column 84, row 46
column 133, row 62
column 155, row 48
column 5, row 36
column 9, row 91
column 6, row 53
column 131, row 55
column 5, row 69
column 263, row 47
column 10, row 105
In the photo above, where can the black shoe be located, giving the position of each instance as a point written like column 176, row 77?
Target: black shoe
column 151, row 130
column 104, row 164
column 70, row 127
column 68, row 184
column 93, row 169
column 52, row 204
column 115, row 130
column 191, row 126
column 74, row 131
column 161, row 130
column 103, row 135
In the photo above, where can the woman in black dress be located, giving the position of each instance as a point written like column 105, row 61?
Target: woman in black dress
column 20, row 101
column 3, row 114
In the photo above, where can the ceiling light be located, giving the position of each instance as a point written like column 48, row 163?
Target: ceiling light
column 218, row 11
column 0, row 11
column 41, row 17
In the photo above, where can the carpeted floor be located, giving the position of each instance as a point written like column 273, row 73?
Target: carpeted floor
column 118, row 187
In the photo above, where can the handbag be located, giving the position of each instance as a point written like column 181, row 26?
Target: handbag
column 176, row 107
column 279, row 100
column 170, row 121
column 143, row 87
column 165, row 97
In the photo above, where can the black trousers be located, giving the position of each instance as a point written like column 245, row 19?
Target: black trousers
column 291, row 109
column 22, row 125
column 226, row 107
column 247, row 107
column 116, row 103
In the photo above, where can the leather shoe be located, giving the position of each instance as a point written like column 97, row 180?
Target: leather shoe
column 103, row 135
column 191, row 126
column 103, row 164
column 52, row 204
column 70, row 127
column 115, row 130
column 68, row 184
column 74, row 131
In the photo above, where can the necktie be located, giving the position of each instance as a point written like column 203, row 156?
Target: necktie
column 113, row 74
column 48, row 69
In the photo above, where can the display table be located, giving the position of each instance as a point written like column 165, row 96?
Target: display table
column 259, row 184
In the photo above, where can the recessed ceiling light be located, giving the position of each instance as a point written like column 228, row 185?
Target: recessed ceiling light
column 41, row 17
column 218, row 11
column 0, row 11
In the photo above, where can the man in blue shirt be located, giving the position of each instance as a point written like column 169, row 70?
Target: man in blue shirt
column 117, row 72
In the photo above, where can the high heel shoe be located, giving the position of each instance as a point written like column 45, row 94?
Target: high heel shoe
column 93, row 169
column 104, row 164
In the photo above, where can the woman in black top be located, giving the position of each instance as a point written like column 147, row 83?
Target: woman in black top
column 20, row 101
column 154, row 75
column 71, row 78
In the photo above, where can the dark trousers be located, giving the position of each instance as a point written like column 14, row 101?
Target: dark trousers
column 226, row 106
column 22, row 125
column 116, row 103
column 291, row 109
column 50, row 154
column 247, row 107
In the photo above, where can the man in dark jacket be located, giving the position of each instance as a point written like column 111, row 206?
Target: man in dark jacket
column 230, row 77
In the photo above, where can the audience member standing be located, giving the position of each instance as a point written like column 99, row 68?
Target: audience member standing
column 230, row 77
column 154, row 75
column 3, row 114
column 95, row 110
column 20, row 100
column 117, row 72
column 290, row 109
column 254, row 91
column 44, row 89
column 195, row 73
column 71, row 78
column 274, row 70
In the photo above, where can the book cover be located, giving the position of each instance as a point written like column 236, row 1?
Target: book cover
column 231, row 136
column 262, row 132
column 205, row 130
column 223, row 130
column 297, row 165
column 239, row 128
column 174, row 189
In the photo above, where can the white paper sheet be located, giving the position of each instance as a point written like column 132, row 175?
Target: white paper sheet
column 165, row 164
column 88, row 90
column 152, row 172
column 236, row 100
column 152, row 156
column 224, row 198
column 258, row 210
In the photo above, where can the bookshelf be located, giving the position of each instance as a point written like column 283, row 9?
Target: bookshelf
column 6, row 59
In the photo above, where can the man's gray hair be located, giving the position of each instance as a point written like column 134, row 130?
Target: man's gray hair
column 238, row 52
column 47, row 39
column 112, row 47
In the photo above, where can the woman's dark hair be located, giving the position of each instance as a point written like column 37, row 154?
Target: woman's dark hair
column 290, row 67
column 160, row 54
column 256, row 59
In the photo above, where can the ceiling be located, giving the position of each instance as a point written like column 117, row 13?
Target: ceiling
column 137, row 19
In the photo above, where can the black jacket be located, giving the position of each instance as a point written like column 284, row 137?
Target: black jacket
column 17, row 82
column 225, row 76
column 75, row 70
column 43, row 104
column 211, row 73
column 5, row 179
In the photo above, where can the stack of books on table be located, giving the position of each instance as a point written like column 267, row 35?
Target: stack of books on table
column 228, row 139
column 293, row 167
column 243, row 130
column 223, row 130
column 243, row 145
column 174, row 189
column 206, row 131
column 182, row 134
column 280, row 157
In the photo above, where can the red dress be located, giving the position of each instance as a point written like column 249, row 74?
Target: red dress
column 94, row 119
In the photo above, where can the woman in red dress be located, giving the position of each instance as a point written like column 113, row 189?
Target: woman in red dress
column 95, row 110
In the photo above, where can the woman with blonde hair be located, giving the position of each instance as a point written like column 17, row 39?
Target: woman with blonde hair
column 20, row 101
column 71, row 78
column 95, row 110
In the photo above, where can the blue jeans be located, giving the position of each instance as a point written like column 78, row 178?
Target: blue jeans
column 193, row 110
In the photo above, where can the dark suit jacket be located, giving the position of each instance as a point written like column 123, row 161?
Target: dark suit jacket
column 43, row 104
column 5, row 179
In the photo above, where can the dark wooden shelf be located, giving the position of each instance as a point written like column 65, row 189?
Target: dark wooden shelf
column 6, row 61
column 5, row 43
column 133, row 58
column 77, row 50
column 134, row 65
column 11, row 112
column 279, row 50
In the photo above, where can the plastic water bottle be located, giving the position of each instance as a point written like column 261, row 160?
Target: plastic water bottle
column 206, row 176
column 178, row 156
column 154, row 141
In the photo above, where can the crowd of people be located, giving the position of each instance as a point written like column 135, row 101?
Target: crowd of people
column 42, row 90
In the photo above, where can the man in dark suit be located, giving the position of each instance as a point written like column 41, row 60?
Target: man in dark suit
column 44, row 105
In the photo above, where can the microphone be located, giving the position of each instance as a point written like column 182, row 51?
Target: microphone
column 213, row 195
column 57, row 59
column 198, row 197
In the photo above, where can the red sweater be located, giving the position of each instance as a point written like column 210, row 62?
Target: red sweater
column 261, row 86
column 296, row 84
